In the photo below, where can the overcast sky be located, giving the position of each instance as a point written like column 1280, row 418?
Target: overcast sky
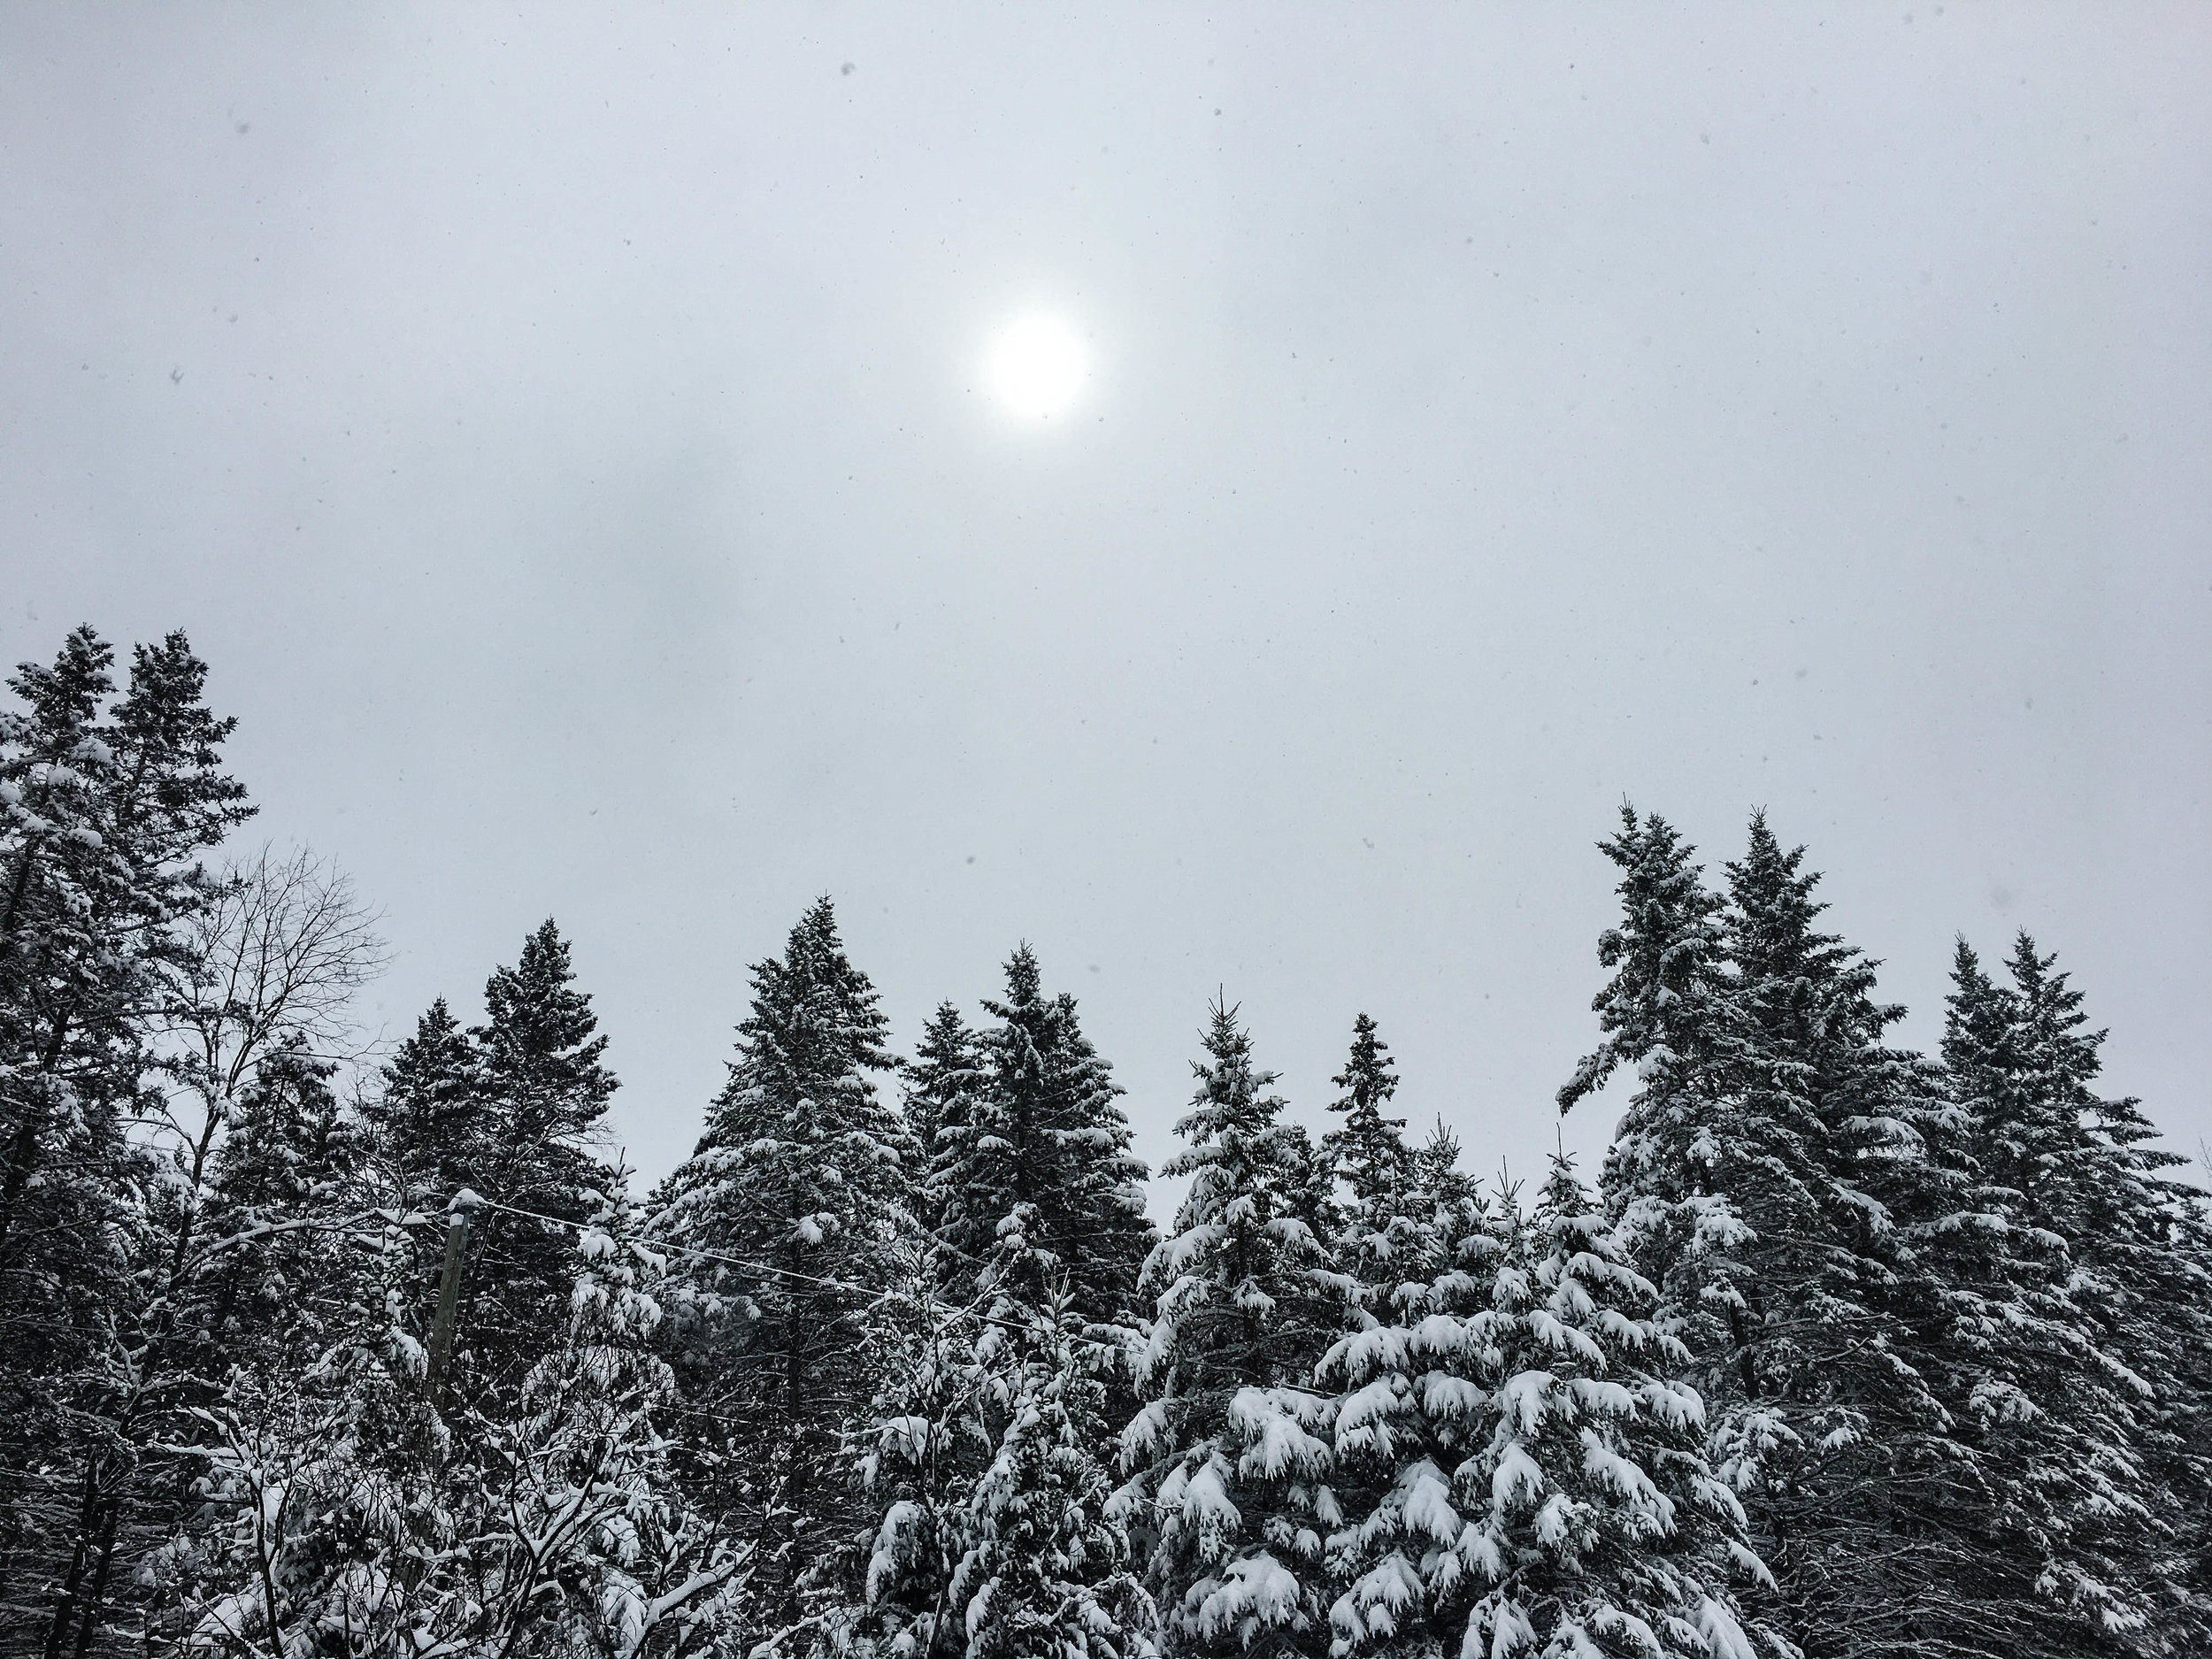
column 566, row 436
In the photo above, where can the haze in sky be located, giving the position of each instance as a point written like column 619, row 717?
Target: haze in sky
column 582, row 444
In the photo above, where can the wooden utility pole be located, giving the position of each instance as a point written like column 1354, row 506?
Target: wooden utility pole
column 456, row 1239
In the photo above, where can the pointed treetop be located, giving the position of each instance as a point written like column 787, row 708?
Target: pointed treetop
column 1975, row 1017
column 2053, row 1009
column 65, row 698
column 1775, row 900
column 1231, row 1092
column 531, row 1003
column 1370, row 1076
column 1564, row 1194
column 815, row 967
column 946, row 1052
column 1666, row 954
column 1368, row 1151
column 1022, row 976
column 438, row 1046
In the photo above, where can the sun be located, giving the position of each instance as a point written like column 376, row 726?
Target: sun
column 1037, row 366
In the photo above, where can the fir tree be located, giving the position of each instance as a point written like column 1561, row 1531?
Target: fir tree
column 1375, row 1228
column 941, row 1082
column 106, row 804
column 1037, row 1170
column 1227, row 1466
column 2141, row 1282
column 1368, row 1149
column 996, row 1537
column 2087, row 1497
column 1046, row 1574
column 1038, row 1216
column 1843, row 1453
column 427, row 1116
column 541, row 1092
column 1670, row 1013
column 346, row 1517
column 288, row 1161
column 796, row 1193
column 924, row 1450
column 1551, row 1495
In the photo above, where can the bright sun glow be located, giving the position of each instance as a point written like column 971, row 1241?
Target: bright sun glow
column 1037, row 366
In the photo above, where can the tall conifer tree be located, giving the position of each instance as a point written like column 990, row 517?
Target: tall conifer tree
column 1549, row 1493
column 541, row 1090
column 1843, row 1451
column 428, row 1116
column 796, row 1193
column 107, row 804
column 1227, row 1460
column 2061, row 1228
column 1038, row 1171
column 942, row 1083
column 1374, row 1222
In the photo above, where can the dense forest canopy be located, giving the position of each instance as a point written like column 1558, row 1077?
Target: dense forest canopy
column 1844, row 1350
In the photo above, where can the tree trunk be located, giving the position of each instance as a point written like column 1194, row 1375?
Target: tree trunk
column 23, row 1156
column 89, row 1615
column 65, row 1610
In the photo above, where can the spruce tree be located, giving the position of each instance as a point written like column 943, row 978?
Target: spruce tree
column 1036, row 1172
column 1368, row 1149
column 1227, row 1465
column 1039, row 1220
column 921, row 1456
column 429, row 1115
column 1682, row 1151
column 2061, row 1385
column 1374, row 1225
column 986, row 1460
column 346, row 1514
column 1549, row 1493
column 941, row 1082
column 287, row 1164
column 2136, row 1239
column 541, row 1093
column 1842, row 1451
column 1046, row 1573
column 792, row 1211
column 107, row 803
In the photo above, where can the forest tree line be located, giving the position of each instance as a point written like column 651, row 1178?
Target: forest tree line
column 1845, row 1350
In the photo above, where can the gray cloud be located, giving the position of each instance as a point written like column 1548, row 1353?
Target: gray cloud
column 565, row 434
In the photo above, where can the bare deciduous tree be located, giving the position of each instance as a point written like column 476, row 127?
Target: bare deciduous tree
column 269, row 965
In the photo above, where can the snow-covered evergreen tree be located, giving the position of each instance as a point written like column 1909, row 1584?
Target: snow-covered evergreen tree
column 925, row 1446
column 510, row 1109
column 1039, row 1214
column 1550, row 1495
column 1227, row 1457
column 107, row 804
column 1377, row 1230
column 996, row 1537
column 2141, row 1283
column 1368, row 1149
column 796, row 1196
column 942, row 1081
column 1687, row 1155
column 2056, row 1366
column 1046, row 1573
column 344, row 1517
column 542, row 1088
column 1036, row 1169
column 1841, row 1449
column 287, row 1165
column 428, row 1117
